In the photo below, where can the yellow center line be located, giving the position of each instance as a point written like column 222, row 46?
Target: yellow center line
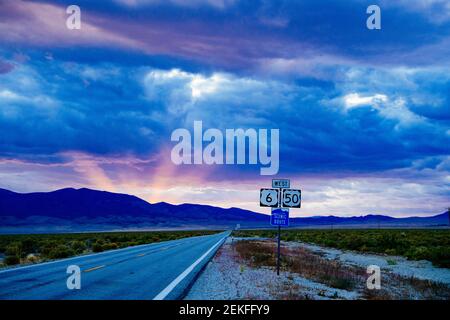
column 94, row 268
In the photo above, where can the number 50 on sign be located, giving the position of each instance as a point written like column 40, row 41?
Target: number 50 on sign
column 292, row 198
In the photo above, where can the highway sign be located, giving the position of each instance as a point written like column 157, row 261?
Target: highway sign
column 279, row 217
column 281, row 197
column 292, row 198
column 269, row 198
column 281, row 183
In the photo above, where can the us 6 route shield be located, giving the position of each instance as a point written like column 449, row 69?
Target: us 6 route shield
column 269, row 198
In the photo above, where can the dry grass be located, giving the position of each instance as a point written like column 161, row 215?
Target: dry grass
column 333, row 273
column 256, row 253
column 300, row 261
column 329, row 272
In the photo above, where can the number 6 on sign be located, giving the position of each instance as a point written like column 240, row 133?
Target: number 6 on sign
column 268, row 198
column 292, row 198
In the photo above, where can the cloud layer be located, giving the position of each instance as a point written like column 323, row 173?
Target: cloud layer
column 364, row 116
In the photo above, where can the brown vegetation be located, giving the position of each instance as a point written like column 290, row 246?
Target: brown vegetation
column 333, row 273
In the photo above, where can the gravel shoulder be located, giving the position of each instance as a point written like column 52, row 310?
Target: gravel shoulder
column 227, row 277
column 421, row 269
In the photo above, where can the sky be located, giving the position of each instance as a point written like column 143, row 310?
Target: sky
column 364, row 115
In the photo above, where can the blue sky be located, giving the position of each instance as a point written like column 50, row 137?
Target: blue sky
column 364, row 115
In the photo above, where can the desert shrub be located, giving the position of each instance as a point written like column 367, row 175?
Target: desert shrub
column 261, row 258
column 54, row 246
column 390, row 251
column 78, row 246
column 428, row 244
column 344, row 283
column 439, row 255
column 60, row 251
column 109, row 246
column 32, row 258
column 417, row 253
column 11, row 260
column 47, row 247
column 97, row 246
column 13, row 249
column 28, row 246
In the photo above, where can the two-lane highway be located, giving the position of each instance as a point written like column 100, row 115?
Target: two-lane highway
column 160, row 270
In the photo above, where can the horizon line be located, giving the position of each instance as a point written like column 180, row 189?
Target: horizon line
column 228, row 208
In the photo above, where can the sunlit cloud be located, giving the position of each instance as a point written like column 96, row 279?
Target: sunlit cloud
column 363, row 129
column 353, row 100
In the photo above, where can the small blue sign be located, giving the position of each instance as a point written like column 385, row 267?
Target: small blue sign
column 279, row 217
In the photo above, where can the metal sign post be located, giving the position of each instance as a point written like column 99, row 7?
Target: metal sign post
column 280, row 198
column 278, row 251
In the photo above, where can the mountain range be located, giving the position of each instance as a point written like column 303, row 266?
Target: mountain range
column 79, row 210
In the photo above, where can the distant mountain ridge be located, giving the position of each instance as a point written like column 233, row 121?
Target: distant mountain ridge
column 70, row 210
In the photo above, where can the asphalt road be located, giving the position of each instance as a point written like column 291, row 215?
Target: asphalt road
column 158, row 271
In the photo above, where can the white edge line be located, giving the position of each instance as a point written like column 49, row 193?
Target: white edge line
column 174, row 283
column 91, row 254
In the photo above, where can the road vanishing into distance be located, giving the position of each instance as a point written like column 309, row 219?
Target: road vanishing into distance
column 158, row 271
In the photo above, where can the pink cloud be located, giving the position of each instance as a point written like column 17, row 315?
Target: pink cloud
column 45, row 24
column 42, row 24
column 156, row 180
